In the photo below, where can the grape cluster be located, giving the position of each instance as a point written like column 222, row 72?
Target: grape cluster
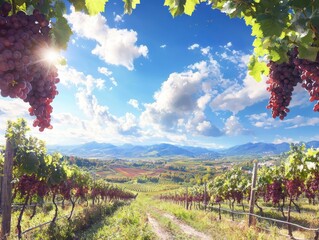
column 294, row 188
column 24, row 72
column 31, row 185
column 274, row 192
column 283, row 78
column 310, row 75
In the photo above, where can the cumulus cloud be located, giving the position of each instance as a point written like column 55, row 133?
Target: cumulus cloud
column 180, row 103
column 205, row 50
column 234, row 128
column 118, row 18
column 70, row 76
column 114, row 46
column 134, row 103
column 264, row 121
column 163, row 46
column 239, row 58
column 108, row 73
column 301, row 121
column 105, row 71
column 194, row 46
column 237, row 97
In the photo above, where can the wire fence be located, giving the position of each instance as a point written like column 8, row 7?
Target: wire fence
column 315, row 230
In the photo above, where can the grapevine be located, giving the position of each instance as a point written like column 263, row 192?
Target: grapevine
column 284, row 77
column 24, row 71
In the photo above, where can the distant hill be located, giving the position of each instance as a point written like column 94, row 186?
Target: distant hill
column 100, row 150
column 106, row 150
column 257, row 149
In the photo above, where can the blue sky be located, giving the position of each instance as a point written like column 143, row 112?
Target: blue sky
column 147, row 78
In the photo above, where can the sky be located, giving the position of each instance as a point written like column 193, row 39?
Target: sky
column 149, row 78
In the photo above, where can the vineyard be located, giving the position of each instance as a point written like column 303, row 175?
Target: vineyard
column 42, row 181
column 47, row 196
column 288, row 192
column 150, row 187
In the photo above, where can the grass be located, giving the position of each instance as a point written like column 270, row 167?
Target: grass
column 129, row 222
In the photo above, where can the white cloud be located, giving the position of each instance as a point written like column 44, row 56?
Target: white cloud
column 233, row 127
column 239, row 58
column 205, row 50
column 118, row 18
column 229, row 44
column 180, row 103
column 70, row 76
column 134, row 103
column 300, row 97
column 300, row 121
column 114, row 46
column 194, row 46
column 262, row 120
column 105, row 71
column 108, row 73
column 280, row 139
column 237, row 97
column 163, row 46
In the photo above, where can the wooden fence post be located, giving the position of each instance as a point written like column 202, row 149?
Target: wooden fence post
column 7, row 190
column 251, row 220
column 205, row 197
column 187, row 198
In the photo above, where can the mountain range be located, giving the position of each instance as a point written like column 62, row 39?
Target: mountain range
column 106, row 150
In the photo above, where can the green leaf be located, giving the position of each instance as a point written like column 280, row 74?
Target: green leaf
column 176, row 7
column 307, row 52
column 59, row 8
column 61, row 32
column 190, row 5
column 95, row 6
column 260, row 49
column 129, row 5
column 271, row 26
column 300, row 3
column 79, row 5
column 257, row 68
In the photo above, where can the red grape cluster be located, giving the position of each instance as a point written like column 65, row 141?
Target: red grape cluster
column 30, row 185
column 283, row 78
column 274, row 192
column 294, row 187
column 310, row 75
column 24, row 72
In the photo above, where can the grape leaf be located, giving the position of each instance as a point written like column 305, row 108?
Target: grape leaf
column 176, row 7
column 61, row 32
column 95, row 6
column 79, row 5
column 257, row 68
column 271, row 26
column 300, row 4
column 59, row 8
column 19, row 2
column 190, row 5
column 307, row 52
column 129, row 5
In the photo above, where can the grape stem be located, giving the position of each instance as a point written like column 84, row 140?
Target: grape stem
column 14, row 6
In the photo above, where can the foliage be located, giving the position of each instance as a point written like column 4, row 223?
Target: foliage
column 276, row 25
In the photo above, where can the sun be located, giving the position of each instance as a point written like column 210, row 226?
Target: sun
column 51, row 55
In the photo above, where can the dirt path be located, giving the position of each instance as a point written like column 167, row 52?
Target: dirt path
column 187, row 229
column 157, row 229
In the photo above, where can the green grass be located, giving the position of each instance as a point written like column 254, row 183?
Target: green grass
column 129, row 222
